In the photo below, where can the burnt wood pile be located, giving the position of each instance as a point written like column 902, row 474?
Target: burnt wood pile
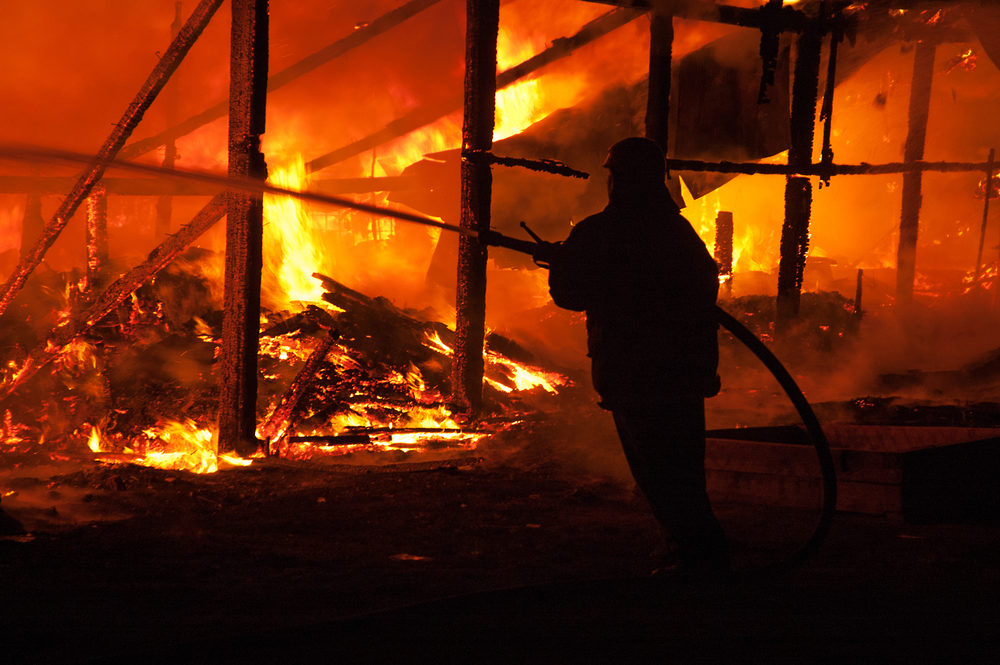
column 323, row 373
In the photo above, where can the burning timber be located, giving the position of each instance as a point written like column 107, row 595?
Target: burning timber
column 140, row 386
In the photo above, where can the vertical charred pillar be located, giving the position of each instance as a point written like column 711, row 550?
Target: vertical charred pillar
column 798, row 191
column 97, row 240
column 482, row 25
column 909, row 219
column 724, row 247
column 164, row 204
column 237, row 365
column 661, row 45
column 32, row 224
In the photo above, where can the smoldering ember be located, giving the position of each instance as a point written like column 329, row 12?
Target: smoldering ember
column 282, row 379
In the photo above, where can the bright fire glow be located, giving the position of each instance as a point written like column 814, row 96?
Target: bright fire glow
column 183, row 446
column 291, row 251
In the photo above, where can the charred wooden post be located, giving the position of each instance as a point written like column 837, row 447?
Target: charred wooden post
column 97, row 240
column 118, row 292
column 798, row 191
column 281, row 420
column 164, row 203
column 826, row 113
column 859, row 292
column 237, row 366
column 661, row 46
column 123, row 129
column 32, row 223
column 97, row 277
column 987, row 193
column 909, row 218
column 724, row 247
column 770, row 43
column 481, row 29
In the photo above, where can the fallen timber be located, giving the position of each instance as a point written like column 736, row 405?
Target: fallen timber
column 282, row 419
column 333, row 439
column 117, row 293
column 419, row 117
column 154, row 83
column 292, row 72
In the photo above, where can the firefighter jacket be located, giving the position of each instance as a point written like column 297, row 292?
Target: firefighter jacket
column 648, row 286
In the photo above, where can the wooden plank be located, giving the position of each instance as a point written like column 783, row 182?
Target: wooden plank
column 783, row 459
column 789, row 491
column 903, row 438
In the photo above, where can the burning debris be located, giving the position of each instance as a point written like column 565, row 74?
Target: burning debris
column 356, row 373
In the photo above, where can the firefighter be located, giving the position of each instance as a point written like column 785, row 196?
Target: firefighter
column 648, row 286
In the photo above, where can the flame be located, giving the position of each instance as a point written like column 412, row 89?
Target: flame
column 291, row 250
column 524, row 377
column 434, row 341
column 180, row 445
column 94, row 440
column 967, row 60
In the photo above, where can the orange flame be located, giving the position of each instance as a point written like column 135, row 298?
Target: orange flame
column 291, row 250
column 184, row 446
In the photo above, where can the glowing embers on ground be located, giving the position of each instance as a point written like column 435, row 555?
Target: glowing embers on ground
column 181, row 445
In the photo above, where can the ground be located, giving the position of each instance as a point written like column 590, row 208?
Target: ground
column 478, row 560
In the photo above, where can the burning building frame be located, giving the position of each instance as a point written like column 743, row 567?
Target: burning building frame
column 798, row 53
column 751, row 137
column 353, row 326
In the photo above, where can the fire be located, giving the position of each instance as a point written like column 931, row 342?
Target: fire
column 517, row 106
column 291, row 250
column 179, row 445
column 967, row 60
column 522, row 376
column 94, row 440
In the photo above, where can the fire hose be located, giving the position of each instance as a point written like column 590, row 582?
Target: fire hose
column 727, row 321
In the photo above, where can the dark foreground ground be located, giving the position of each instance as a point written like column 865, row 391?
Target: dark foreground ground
column 296, row 563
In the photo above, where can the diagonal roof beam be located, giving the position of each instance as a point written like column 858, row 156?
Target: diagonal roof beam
column 425, row 115
column 338, row 48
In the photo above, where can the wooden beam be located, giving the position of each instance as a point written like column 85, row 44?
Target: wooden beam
column 97, row 240
column 798, row 191
column 32, row 223
column 661, row 45
column 164, row 203
column 482, row 26
column 237, row 364
column 909, row 218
